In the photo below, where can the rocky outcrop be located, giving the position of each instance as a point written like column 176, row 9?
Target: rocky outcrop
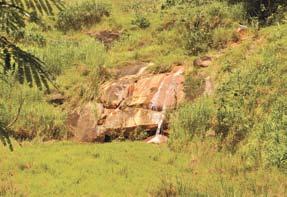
column 132, row 102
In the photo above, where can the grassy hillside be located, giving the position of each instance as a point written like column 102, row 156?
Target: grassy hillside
column 231, row 143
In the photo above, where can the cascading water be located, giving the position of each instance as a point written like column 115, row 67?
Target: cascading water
column 169, row 93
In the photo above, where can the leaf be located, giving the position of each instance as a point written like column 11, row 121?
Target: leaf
column 26, row 67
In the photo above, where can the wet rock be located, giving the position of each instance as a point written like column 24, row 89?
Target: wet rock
column 204, row 61
column 170, row 92
column 158, row 139
column 143, row 91
column 128, row 104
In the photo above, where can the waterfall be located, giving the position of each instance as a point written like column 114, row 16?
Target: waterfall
column 159, row 124
column 155, row 98
column 168, row 94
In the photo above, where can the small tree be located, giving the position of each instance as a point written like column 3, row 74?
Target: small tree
column 262, row 9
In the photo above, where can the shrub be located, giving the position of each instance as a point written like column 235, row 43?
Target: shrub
column 141, row 22
column 251, row 103
column 189, row 121
column 265, row 11
column 205, row 26
column 267, row 142
column 77, row 16
column 89, row 91
column 193, row 85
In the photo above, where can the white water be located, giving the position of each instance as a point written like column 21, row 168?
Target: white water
column 155, row 98
column 171, row 91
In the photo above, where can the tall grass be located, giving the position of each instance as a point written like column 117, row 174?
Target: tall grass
column 62, row 54
column 190, row 120
column 29, row 115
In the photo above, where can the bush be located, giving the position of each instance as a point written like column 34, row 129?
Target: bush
column 81, row 15
column 189, row 121
column 265, row 11
column 193, row 85
column 141, row 22
column 205, row 26
column 251, row 115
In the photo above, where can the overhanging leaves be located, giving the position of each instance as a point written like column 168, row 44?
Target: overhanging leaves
column 23, row 65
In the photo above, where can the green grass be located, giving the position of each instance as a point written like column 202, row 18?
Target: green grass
column 67, row 169
column 130, row 169
column 203, row 167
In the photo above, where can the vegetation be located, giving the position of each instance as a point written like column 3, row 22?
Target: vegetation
column 230, row 143
column 81, row 15
column 131, row 168
column 267, row 12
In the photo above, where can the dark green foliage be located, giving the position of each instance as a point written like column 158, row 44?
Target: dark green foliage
column 4, row 136
column 203, row 25
column 190, row 120
column 141, row 22
column 82, row 15
column 266, row 11
column 193, row 85
column 171, row 3
column 252, row 109
column 23, row 65
column 13, row 14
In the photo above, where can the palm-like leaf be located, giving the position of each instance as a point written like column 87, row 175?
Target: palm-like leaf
column 25, row 66
column 13, row 16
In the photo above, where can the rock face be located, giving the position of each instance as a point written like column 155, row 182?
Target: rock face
column 131, row 103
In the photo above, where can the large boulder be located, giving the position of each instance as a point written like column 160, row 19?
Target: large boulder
column 83, row 123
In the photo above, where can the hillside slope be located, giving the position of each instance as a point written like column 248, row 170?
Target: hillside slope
column 200, row 72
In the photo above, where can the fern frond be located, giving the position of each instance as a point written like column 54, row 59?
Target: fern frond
column 14, row 13
column 40, row 6
column 23, row 65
